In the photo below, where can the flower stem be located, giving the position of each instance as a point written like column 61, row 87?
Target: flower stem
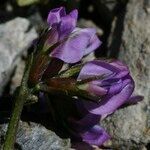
column 20, row 99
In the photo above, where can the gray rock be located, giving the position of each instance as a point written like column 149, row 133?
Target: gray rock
column 15, row 37
column 37, row 137
column 17, row 77
column 130, row 127
column 37, row 21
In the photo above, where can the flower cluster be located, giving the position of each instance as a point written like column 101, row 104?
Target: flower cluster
column 84, row 94
column 62, row 41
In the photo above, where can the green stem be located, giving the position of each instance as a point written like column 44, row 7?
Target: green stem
column 20, row 99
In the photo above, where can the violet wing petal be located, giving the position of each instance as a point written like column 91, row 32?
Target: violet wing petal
column 122, row 74
column 111, row 102
column 54, row 16
column 95, row 136
column 115, row 88
column 97, row 68
column 87, row 119
column 124, row 70
column 72, row 50
column 119, row 65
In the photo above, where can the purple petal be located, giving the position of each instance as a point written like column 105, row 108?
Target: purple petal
column 111, row 102
column 133, row 100
column 74, row 14
column 54, row 16
column 122, row 74
column 119, row 65
column 124, row 70
column 73, row 49
column 93, row 44
column 85, row 123
column 67, row 25
column 115, row 88
column 95, row 136
column 97, row 68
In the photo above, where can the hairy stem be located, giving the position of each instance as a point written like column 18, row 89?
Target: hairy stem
column 20, row 99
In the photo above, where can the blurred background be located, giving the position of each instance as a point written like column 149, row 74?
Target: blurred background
column 123, row 26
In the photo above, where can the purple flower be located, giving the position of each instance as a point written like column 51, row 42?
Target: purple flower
column 112, row 85
column 75, row 121
column 72, row 98
column 114, row 89
column 87, row 129
column 72, row 43
column 95, row 136
column 62, row 42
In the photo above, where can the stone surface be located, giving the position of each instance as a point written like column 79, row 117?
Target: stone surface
column 17, row 77
column 15, row 37
column 37, row 137
column 37, row 21
column 130, row 127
